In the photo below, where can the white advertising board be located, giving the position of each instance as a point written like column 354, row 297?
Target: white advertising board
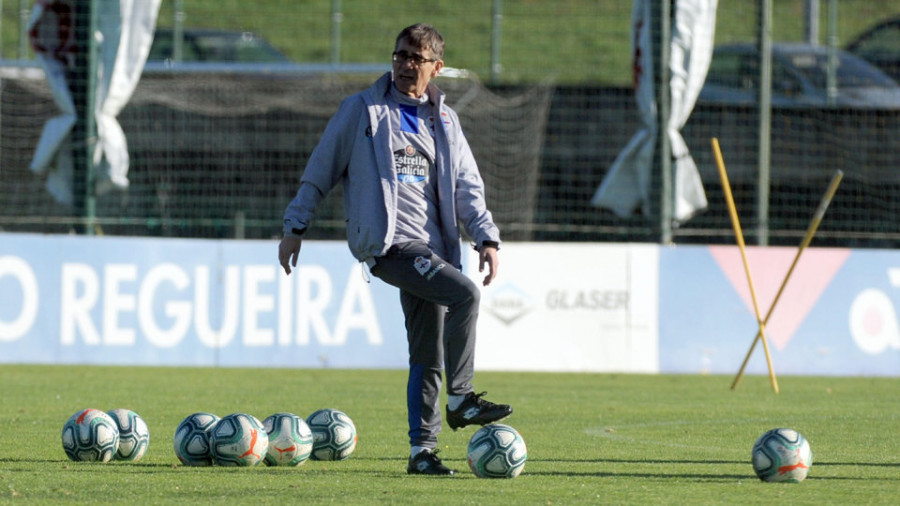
column 570, row 307
column 192, row 302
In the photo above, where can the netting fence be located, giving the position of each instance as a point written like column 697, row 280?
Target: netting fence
column 216, row 148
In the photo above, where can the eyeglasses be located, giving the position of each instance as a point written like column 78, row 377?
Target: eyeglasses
column 416, row 59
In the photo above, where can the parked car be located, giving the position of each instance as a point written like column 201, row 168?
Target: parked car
column 219, row 46
column 880, row 46
column 799, row 78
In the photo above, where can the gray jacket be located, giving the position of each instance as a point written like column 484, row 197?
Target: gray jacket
column 356, row 150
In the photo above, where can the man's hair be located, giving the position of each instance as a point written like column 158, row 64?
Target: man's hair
column 423, row 37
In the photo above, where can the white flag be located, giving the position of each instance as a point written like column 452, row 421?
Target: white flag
column 125, row 33
column 691, row 51
column 626, row 187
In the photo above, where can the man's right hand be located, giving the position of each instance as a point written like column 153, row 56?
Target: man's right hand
column 288, row 251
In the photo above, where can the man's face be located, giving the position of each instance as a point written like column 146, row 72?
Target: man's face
column 410, row 77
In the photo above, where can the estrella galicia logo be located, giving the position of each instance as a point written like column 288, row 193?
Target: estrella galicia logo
column 508, row 304
column 412, row 166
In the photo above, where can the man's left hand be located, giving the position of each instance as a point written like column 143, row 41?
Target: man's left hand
column 488, row 255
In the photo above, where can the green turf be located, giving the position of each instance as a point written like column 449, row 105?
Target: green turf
column 576, row 41
column 624, row 439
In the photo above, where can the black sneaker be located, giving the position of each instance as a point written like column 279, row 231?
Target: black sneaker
column 427, row 462
column 475, row 410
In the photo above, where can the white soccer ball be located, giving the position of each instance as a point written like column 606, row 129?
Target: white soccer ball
column 90, row 435
column 192, row 439
column 290, row 440
column 239, row 440
column 782, row 455
column 334, row 434
column 496, row 451
column 134, row 436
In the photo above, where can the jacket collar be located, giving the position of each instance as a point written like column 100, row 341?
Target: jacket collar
column 376, row 93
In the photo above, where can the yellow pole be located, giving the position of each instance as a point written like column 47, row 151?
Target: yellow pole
column 807, row 239
column 739, row 235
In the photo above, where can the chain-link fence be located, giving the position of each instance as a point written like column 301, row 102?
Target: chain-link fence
column 217, row 148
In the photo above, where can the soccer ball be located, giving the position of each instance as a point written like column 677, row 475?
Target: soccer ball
column 134, row 436
column 334, row 435
column 290, row 440
column 239, row 440
column 192, row 439
column 496, row 451
column 782, row 455
column 90, row 435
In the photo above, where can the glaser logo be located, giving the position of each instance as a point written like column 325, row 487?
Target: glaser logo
column 594, row 300
column 508, row 304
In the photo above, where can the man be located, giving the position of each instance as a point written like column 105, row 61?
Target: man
column 409, row 181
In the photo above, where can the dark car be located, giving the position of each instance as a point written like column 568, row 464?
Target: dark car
column 799, row 78
column 214, row 46
column 880, row 46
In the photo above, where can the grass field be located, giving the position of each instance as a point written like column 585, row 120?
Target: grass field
column 577, row 41
column 610, row 439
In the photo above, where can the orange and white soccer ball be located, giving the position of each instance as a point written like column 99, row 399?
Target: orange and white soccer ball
column 240, row 440
column 782, row 455
column 290, row 440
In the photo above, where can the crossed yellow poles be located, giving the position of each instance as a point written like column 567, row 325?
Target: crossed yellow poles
column 739, row 235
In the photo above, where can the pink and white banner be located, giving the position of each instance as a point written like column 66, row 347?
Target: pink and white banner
column 838, row 314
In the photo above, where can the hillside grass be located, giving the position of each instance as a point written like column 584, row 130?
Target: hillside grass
column 571, row 40
column 592, row 438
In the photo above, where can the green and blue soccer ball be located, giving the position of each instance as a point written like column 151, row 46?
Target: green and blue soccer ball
column 497, row 451
column 191, row 439
column 90, row 435
column 782, row 455
column 134, row 435
column 334, row 434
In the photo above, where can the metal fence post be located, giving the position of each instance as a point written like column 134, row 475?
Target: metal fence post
column 178, row 32
column 496, row 20
column 84, row 93
column 662, row 34
column 336, row 18
column 765, row 120
column 24, row 15
column 831, row 87
column 811, row 21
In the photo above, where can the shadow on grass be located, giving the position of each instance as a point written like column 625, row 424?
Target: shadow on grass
column 690, row 475
column 86, row 465
column 400, row 457
column 641, row 461
column 863, row 464
column 610, row 474
column 8, row 460
column 639, row 474
column 701, row 462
